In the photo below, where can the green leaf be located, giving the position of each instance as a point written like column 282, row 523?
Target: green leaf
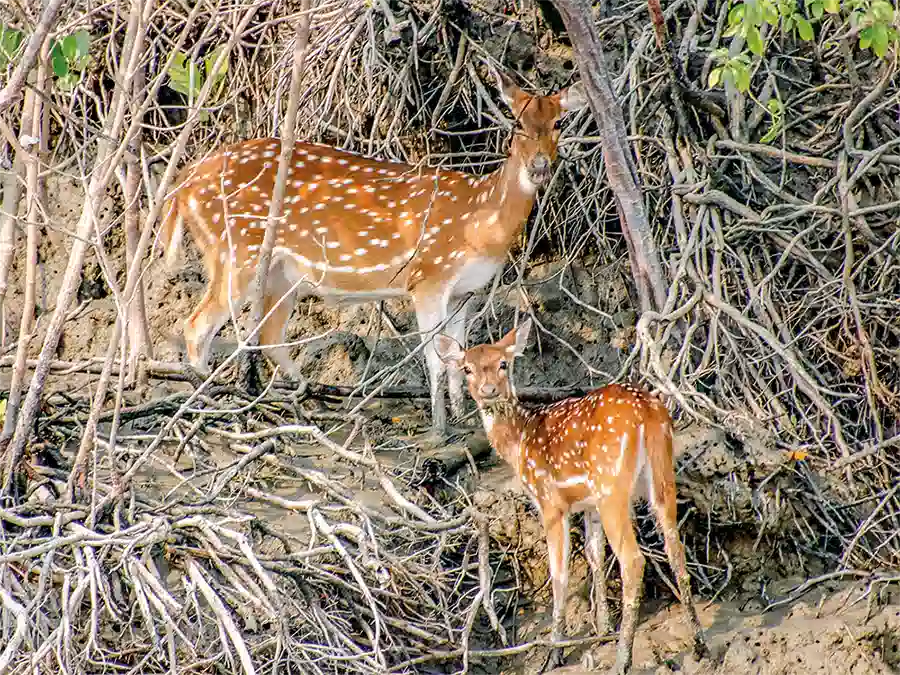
column 210, row 62
column 715, row 76
column 58, row 61
column 776, row 111
column 10, row 39
column 76, row 50
column 879, row 40
column 832, row 6
column 741, row 78
column 83, row 43
column 883, row 11
column 865, row 38
column 754, row 41
column 804, row 28
column 788, row 23
column 69, row 47
column 771, row 14
column 184, row 75
column 816, row 9
column 736, row 15
column 773, row 131
column 731, row 31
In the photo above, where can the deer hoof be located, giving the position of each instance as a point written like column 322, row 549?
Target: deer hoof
column 701, row 651
column 196, row 376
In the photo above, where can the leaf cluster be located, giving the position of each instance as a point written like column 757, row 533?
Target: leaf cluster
column 69, row 57
column 872, row 19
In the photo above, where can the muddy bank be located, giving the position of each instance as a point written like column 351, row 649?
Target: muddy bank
column 838, row 629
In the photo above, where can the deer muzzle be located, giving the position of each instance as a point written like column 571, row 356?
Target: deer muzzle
column 488, row 392
column 539, row 169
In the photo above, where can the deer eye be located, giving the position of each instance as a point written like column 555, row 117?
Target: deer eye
column 557, row 124
column 504, row 365
column 467, row 370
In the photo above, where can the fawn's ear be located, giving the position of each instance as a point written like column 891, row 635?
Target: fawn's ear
column 573, row 98
column 450, row 351
column 508, row 89
column 515, row 341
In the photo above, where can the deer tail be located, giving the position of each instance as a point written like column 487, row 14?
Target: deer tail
column 171, row 234
column 657, row 451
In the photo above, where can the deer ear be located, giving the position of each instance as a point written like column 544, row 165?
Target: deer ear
column 507, row 87
column 573, row 98
column 515, row 341
column 522, row 333
column 449, row 350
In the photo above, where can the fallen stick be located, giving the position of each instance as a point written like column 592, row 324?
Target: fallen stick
column 166, row 370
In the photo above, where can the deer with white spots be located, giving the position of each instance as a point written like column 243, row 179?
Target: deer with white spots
column 595, row 454
column 356, row 229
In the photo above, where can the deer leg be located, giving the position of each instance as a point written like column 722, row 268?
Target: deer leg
column 431, row 312
column 595, row 550
column 277, row 308
column 556, row 530
column 456, row 328
column 211, row 314
column 616, row 516
column 666, row 516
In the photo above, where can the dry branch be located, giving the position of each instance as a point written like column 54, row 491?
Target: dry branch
column 645, row 264
column 13, row 88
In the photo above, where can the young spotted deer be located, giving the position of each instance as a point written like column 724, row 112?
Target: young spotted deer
column 595, row 453
column 356, row 229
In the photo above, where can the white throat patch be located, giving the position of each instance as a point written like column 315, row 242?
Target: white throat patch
column 488, row 420
column 525, row 182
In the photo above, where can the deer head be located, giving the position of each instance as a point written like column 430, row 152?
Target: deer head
column 537, row 127
column 488, row 368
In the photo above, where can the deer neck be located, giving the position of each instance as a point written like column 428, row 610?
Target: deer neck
column 504, row 203
column 505, row 423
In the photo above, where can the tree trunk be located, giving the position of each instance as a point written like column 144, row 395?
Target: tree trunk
column 138, row 328
column 645, row 264
column 32, row 120
column 249, row 373
column 9, row 210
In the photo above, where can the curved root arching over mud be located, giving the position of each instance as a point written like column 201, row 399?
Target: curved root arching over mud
column 305, row 528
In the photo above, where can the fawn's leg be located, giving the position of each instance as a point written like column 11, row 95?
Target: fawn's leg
column 456, row 328
column 431, row 311
column 595, row 550
column 616, row 516
column 280, row 296
column 556, row 530
column 666, row 515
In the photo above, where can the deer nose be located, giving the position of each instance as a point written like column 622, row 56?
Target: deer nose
column 488, row 390
column 539, row 169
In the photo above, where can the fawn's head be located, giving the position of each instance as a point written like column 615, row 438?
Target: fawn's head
column 537, row 127
column 488, row 368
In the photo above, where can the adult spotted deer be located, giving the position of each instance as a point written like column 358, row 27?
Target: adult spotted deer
column 357, row 229
column 595, row 453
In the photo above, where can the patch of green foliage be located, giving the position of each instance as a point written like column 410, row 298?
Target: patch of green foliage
column 10, row 40
column 874, row 20
column 69, row 57
column 188, row 77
